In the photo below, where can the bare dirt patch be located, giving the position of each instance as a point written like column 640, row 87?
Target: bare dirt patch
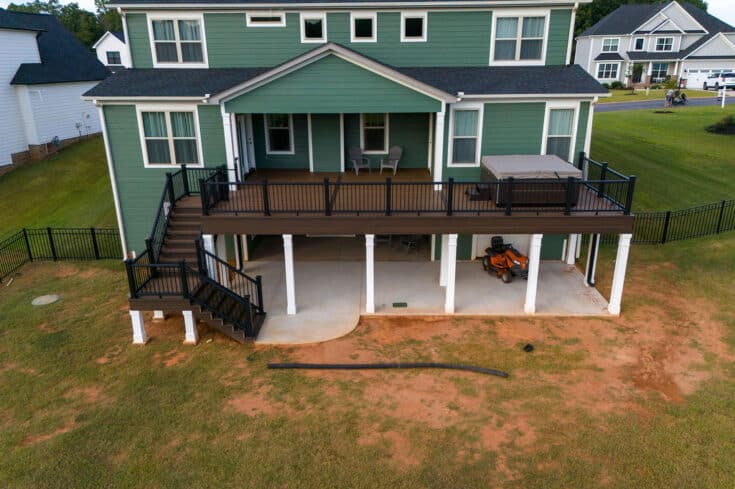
column 89, row 395
column 68, row 425
column 402, row 452
column 256, row 402
column 170, row 358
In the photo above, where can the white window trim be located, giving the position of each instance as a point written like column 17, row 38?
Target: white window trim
column 561, row 104
column 107, row 58
column 617, row 46
column 140, row 108
column 479, row 107
column 643, row 48
column 617, row 70
column 268, row 138
column 424, row 16
column 373, row 16
column 313, row 15
column 176, row 17
column 386, row 136
column 249, row 22
column 655, row 44
column 519, row 13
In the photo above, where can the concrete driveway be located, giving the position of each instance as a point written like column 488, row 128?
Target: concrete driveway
column 659, row 104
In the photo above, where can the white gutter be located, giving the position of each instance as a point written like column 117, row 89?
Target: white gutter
column 538, row 96
column 203, row 99
column 351, row 5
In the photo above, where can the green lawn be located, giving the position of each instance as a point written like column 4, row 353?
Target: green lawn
column 69, row 190
column 638, row 95
column 677, row 162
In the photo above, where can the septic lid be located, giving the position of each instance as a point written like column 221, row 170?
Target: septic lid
column 45, row 299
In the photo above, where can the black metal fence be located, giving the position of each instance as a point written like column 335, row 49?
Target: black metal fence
column 56, row 244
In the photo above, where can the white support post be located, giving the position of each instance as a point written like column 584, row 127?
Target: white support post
column 571, row 249
column 370, row 273
column 227, row 126
column 591, row 268
column 534, row 263
column 159, row 315
column 579, row 246
column 439, row 145
column 208, row 240
column 443, row 260
column 290, row 282
column 451, row 273
column 621, row 264
column 191, row 336
column 139, row 335
column 221, row 247
column 245, row 251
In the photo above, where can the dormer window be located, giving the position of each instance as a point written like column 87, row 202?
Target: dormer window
column 519, row 39
column 177, row 41
column 639, row 44
column 313, row 27
column 364, row 27
column 610, row 45
column 664, row 44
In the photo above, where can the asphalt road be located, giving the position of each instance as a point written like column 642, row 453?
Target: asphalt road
column 659, row 104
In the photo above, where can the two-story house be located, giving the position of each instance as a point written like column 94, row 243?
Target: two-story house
column 322, row 161
column 646, row 44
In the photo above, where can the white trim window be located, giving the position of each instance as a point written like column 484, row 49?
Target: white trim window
column 114, row 58
column 177, row 41
column 664, row 44
column 560, row 133
column 313, row 27
column 363, row 27
column 607, row 71
column 374, row 133
column 610, row 44
column 278, row 134
column 265, row 19
column 519, row 38
column 465, row 136
column 169, row 137
column 414, row 26
column 639, row 44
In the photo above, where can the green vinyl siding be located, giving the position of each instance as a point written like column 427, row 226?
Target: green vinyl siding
column 411, row 131
column 352, row 137
column 513, row 128
column 332, row 85
column 552, row 245
column 297, row 161
column 325, row 140
column 464, row 247
column 140, row 188
column 584, row 114
column 139, row 41
column 558, row 43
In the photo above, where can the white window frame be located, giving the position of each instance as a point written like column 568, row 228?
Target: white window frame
column 519, row 14
column 167, row 108
column 617, row 45
column 561, row 104
column 266, row 127
column 250, row 15
column 617, row 71
column 424, row 16
column 655, row 45
column 635, row 39
column 313, row 15
column 107, row 58
column 373, row 17
column 480, row 108
column 176, row 17
column 386, row 136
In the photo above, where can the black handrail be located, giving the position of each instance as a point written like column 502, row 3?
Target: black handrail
column 232, row 278
column 243, row 322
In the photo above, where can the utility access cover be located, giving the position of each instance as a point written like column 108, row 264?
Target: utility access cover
column 45, row 300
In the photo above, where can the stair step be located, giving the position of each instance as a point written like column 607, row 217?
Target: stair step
column 189, row 209
column 174, row 225
column 185, row 218
column 179, row 244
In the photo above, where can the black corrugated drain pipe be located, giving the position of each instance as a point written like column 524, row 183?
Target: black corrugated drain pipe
column 383, row 366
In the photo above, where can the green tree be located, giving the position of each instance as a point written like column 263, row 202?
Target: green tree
column 81, row 23
column 108, row 18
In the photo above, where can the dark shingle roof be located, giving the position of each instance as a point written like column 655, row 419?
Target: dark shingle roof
column 63, row 57
column 627, row 18
column 609, row 57
column 287, row 2
column 118, row 34
column 470, row 80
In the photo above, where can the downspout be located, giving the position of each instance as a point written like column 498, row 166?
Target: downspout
column 571, row 32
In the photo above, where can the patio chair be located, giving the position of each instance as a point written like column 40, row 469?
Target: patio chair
column 394, row 157
column 359, row 160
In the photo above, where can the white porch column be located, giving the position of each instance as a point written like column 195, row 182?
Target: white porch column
column 451, row 272
column 370, row 273
column 228, row 125
column 290, row 282
column 245, row 251
column 208, row 241
column 571, row 249
column 591, row 268
column 621, row 264
column 439, row 144
column 191, row 336
column 139, row 335
column 159, row 315
column 443, row 260
column 221, row 246
column 534, row 263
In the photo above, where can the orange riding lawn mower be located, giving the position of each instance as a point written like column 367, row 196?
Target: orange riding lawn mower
column 504, row 261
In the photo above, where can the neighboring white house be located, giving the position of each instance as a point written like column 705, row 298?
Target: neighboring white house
column 44, row 70
column 111, row 50
column 650, row 43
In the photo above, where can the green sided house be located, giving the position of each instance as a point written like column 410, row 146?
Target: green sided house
column 280, row 168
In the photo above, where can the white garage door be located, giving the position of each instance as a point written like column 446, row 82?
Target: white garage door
column 696, row 78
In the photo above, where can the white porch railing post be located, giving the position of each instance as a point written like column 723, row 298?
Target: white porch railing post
column 439, row 145
column 621, row 264
column 370, row 273
column 534, row 263
column 227, row 126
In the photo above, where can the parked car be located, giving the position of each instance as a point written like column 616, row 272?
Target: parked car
column 720, row 80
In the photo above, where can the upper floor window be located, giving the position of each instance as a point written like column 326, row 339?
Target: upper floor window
column 413, row 26
column 465, row 135
column 639, row 44
column 113, row 58
column 560, row 133
column 169, row 137
column 279, row 133
column 265, row 20
column 664, row 43
column 313, row 27
column 364, row 27
column 374, row 133
column 177, row 41
column 610, row 45
column 519, row 38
